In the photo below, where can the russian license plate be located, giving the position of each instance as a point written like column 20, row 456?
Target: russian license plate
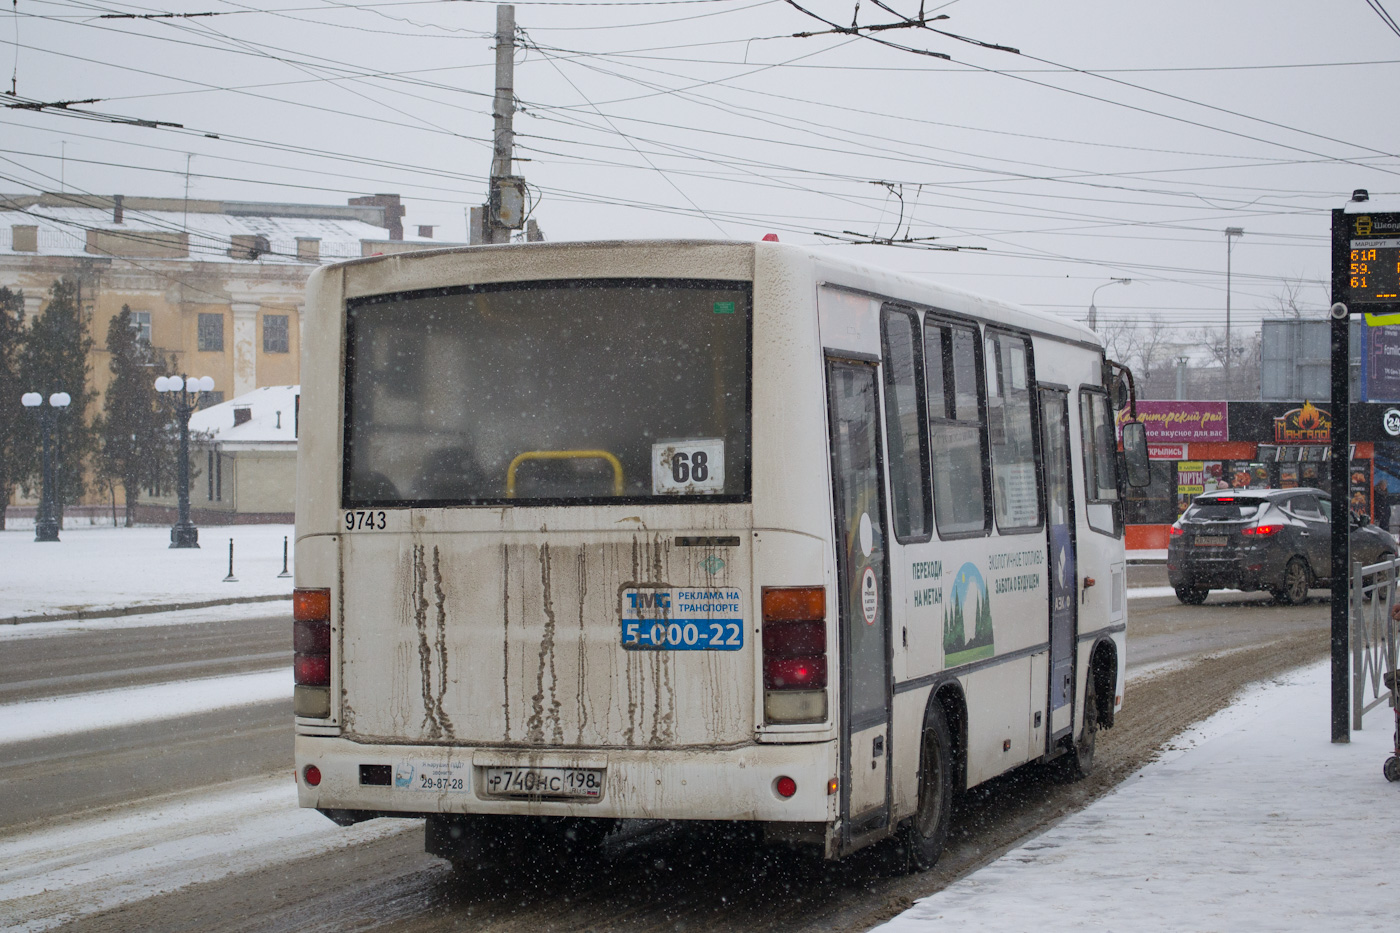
column 544, row 782
column 1212, row 540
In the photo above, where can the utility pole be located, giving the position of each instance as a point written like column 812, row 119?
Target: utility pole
column 1230, row 234
column 504, row 210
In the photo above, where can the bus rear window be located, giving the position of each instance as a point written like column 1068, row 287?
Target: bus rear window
column 1217, row 511
column 576, row 391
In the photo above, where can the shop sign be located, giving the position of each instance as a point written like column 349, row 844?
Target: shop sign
column 1181, row 422
column 1166, row 451
column 1190, row 478
column 1306, row 425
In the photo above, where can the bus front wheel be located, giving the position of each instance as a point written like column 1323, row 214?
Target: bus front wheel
column 927, row 830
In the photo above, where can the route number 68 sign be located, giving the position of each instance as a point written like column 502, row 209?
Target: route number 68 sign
column 687, row 467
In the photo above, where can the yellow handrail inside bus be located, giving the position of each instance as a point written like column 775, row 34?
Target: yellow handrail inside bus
column 564, row 455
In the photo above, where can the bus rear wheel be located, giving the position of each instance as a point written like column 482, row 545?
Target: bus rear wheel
column 927, row 831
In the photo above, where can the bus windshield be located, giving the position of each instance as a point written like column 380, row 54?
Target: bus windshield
column 576, row 391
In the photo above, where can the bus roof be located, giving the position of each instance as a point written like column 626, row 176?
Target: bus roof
column 829, row 267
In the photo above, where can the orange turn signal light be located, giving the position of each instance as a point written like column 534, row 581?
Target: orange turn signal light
column 311, row 605
column 794, row 603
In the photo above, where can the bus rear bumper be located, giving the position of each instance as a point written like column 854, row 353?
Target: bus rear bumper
column 738, row 783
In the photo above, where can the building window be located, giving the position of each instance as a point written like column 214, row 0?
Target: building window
column 275, row 333
column 211, row 333
column 141, row 323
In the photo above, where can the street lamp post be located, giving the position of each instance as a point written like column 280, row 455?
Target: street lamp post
column 184, row 394
column 1093, row 311
column 1230, row 234
column 46, row 523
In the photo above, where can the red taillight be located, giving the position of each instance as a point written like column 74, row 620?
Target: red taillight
column 1262, row 531
column 785, row 786
column 311, row 637
column 1177, row 531
column 794, row 673
column 312, row 775
column 794, row 638
column 311, row 670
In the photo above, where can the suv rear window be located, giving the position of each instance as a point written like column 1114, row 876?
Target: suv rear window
column 572, row 391
column 1216, row 511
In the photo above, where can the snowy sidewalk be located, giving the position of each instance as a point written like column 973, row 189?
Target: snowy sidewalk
column 1253, row 821
column 97, row 571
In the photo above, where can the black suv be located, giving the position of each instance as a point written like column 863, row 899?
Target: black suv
column 1266, row 539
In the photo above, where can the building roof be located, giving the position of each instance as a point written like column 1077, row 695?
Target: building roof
column 157, row 228
column 270, row 424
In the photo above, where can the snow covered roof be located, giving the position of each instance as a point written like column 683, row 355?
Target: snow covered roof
column 65, row 231
column 264, row 418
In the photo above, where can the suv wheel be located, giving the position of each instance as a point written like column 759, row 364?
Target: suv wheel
column 1192, row 595
column 1293, row 590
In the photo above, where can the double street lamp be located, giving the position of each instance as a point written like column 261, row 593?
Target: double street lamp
column 184, row 395
column 46, row 523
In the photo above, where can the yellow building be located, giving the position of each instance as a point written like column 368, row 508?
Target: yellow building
column 216, row 284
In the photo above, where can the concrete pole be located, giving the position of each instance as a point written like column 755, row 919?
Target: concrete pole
column 1230, row 234
column 503, row 110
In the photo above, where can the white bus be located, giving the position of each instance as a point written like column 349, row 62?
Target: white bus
column 589, row 532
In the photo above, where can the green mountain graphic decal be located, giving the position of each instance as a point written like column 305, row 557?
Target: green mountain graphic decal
column 969, row 603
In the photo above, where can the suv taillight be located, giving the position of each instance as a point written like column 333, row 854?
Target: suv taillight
column 1262, row 531
column 311, row 647
column 794, row 654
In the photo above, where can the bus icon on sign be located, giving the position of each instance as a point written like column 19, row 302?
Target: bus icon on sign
column 1363, row 225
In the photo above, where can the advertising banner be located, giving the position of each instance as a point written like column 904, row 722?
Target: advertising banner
column 1190, row 478
column 1307, row 424
column 1182, row 422
column 1383, row 363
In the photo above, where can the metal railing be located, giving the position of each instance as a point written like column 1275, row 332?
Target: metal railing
column 1374, row 598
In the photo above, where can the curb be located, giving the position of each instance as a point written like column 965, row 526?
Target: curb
column 84, row 615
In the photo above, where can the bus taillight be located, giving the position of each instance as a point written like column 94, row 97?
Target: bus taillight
column 794, row 654
column 311, row 659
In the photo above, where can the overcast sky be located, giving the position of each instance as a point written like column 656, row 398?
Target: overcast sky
column 1117, row 140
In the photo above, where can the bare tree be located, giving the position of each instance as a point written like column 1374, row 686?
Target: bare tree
column 1291, row 300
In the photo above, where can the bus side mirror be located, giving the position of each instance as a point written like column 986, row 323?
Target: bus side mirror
column 1135, row 454
column 1119, row 393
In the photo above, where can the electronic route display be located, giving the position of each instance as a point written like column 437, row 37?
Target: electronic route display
column 1366, row 262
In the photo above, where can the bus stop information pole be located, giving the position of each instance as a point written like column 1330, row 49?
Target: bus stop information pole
column 1341, row 523
column 1365, row 280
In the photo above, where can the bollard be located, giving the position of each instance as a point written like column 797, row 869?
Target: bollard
column 230, row 578
column 284, row 574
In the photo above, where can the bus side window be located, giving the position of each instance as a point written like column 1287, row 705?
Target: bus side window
column 1014, row 475
column 957, row 429
column 1100, row 453
column 905, row 427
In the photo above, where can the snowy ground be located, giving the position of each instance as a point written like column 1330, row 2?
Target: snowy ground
column 1253, row 821
column 93, row 569
column 119, row 857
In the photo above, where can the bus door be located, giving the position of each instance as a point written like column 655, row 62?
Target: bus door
column 863, row 597
column 1064, row 580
